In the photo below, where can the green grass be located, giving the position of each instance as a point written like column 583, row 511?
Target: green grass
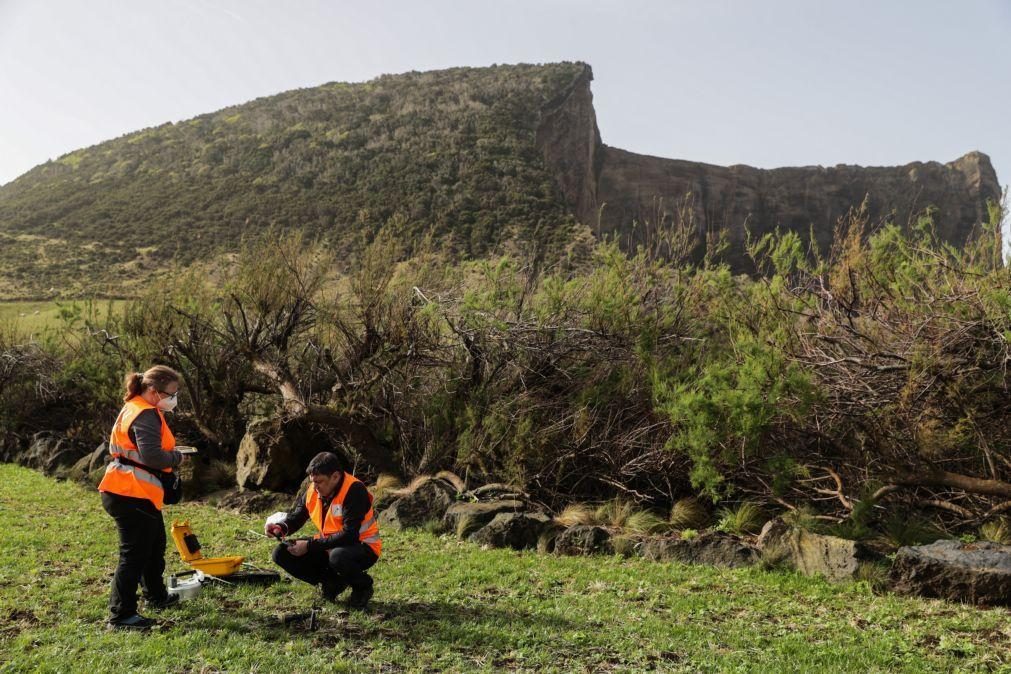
column 33, row 317
column 442, row 604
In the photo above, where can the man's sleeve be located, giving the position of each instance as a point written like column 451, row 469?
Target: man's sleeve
column 356, row 506
column 297, row 516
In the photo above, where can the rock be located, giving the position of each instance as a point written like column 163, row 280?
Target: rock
column 546, row 541
column 978, row 573
column 583, row 540
column 384, row 498
column 834, row 558
column 51, row 453
column 475, row 515
column 712, row 548
column 610, row 190
column 427, row 502
column 89, row 463
column 273, row 455
column 519, row 531
column 497, row 491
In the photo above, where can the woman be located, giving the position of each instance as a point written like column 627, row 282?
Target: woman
column 142, row 448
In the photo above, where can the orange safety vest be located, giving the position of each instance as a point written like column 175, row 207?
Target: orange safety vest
column 129, row 480
column 333, row 523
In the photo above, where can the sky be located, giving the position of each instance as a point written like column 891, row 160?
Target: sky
column 769, row 83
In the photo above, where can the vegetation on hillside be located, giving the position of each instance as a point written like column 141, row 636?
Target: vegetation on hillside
column 875, row 377
column 451, row 152
column 445, row 605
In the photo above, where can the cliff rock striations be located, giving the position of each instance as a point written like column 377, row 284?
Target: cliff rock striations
column 621, row 193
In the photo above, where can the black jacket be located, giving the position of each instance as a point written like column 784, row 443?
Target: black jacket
column 356, row 506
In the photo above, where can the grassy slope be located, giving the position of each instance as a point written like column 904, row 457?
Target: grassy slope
column 33, row 317
column 453, row 152
column 446, row 605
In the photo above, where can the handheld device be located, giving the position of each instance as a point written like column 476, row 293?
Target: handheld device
column 183, row 449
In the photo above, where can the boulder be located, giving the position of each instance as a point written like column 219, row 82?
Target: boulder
column 51, row 453
column 472, row 516
column 978, row 573
column 712, row 548
column 834, row 558
column 89, row 463
column 583, row 540
column 518, row 531
column 273, row 455
column 429, row 501
column 546, row 541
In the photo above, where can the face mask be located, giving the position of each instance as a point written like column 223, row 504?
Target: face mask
column 168, row 404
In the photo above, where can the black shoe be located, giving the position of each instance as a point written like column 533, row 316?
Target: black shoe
column 134, row 622
column 169, row 600
column 331, row 587
column 359, row 599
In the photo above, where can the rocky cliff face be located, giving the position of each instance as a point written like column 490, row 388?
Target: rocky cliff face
column 610, row 189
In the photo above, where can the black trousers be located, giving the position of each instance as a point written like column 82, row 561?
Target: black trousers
column 345, row 565
column 141, row 553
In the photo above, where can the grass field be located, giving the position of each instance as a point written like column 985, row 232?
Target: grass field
column 33, row 317
column 444, row 605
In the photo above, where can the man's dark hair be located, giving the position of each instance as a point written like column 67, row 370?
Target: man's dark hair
column 324, row 463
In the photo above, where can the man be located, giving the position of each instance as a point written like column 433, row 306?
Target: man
column 348, row 541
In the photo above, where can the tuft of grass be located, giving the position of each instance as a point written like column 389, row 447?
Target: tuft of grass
column 576, row 514
column 614, row 513
column 996, row 531
column 643, row 522
column 803, row 518
column 747, row 518
column 688, row 534
column 387, row 481
column 901, row 529
column 466, row 525
column 453, row 479
column 688, row 513
column 875, row 574
column 625, row 545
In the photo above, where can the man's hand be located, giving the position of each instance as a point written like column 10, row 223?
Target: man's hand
column 275, row 530
column 298, row 548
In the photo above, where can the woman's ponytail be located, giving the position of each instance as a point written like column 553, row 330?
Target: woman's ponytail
column 134, row 384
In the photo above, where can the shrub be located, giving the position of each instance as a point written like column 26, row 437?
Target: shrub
column 747, row 518
column 576, row 514
column 996, row 531
column 688, row 513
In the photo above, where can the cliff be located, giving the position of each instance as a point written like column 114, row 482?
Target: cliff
column 478, row 161
column 610, row 189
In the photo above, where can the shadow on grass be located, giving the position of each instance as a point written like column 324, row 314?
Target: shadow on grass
column 459, row 628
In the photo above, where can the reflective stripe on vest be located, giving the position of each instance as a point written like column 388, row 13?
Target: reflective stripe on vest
column 128, row 480
column 332, row 522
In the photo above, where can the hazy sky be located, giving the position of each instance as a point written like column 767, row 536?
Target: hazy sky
column 767, row 83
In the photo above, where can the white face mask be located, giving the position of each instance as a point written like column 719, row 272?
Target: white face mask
column 168, row 404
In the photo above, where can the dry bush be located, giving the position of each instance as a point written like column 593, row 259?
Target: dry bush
column 577, row 514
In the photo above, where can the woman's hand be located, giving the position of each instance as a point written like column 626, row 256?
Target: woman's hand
column 298, row 548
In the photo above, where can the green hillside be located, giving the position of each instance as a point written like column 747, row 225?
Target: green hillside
column 451, row 153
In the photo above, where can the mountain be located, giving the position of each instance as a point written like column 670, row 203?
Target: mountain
column 478, row 159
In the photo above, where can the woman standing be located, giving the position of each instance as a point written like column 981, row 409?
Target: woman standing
column 142, row 448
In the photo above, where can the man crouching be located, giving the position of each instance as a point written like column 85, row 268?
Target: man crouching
column 348, row 543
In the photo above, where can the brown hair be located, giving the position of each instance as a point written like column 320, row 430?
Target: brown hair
column 157, row 377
